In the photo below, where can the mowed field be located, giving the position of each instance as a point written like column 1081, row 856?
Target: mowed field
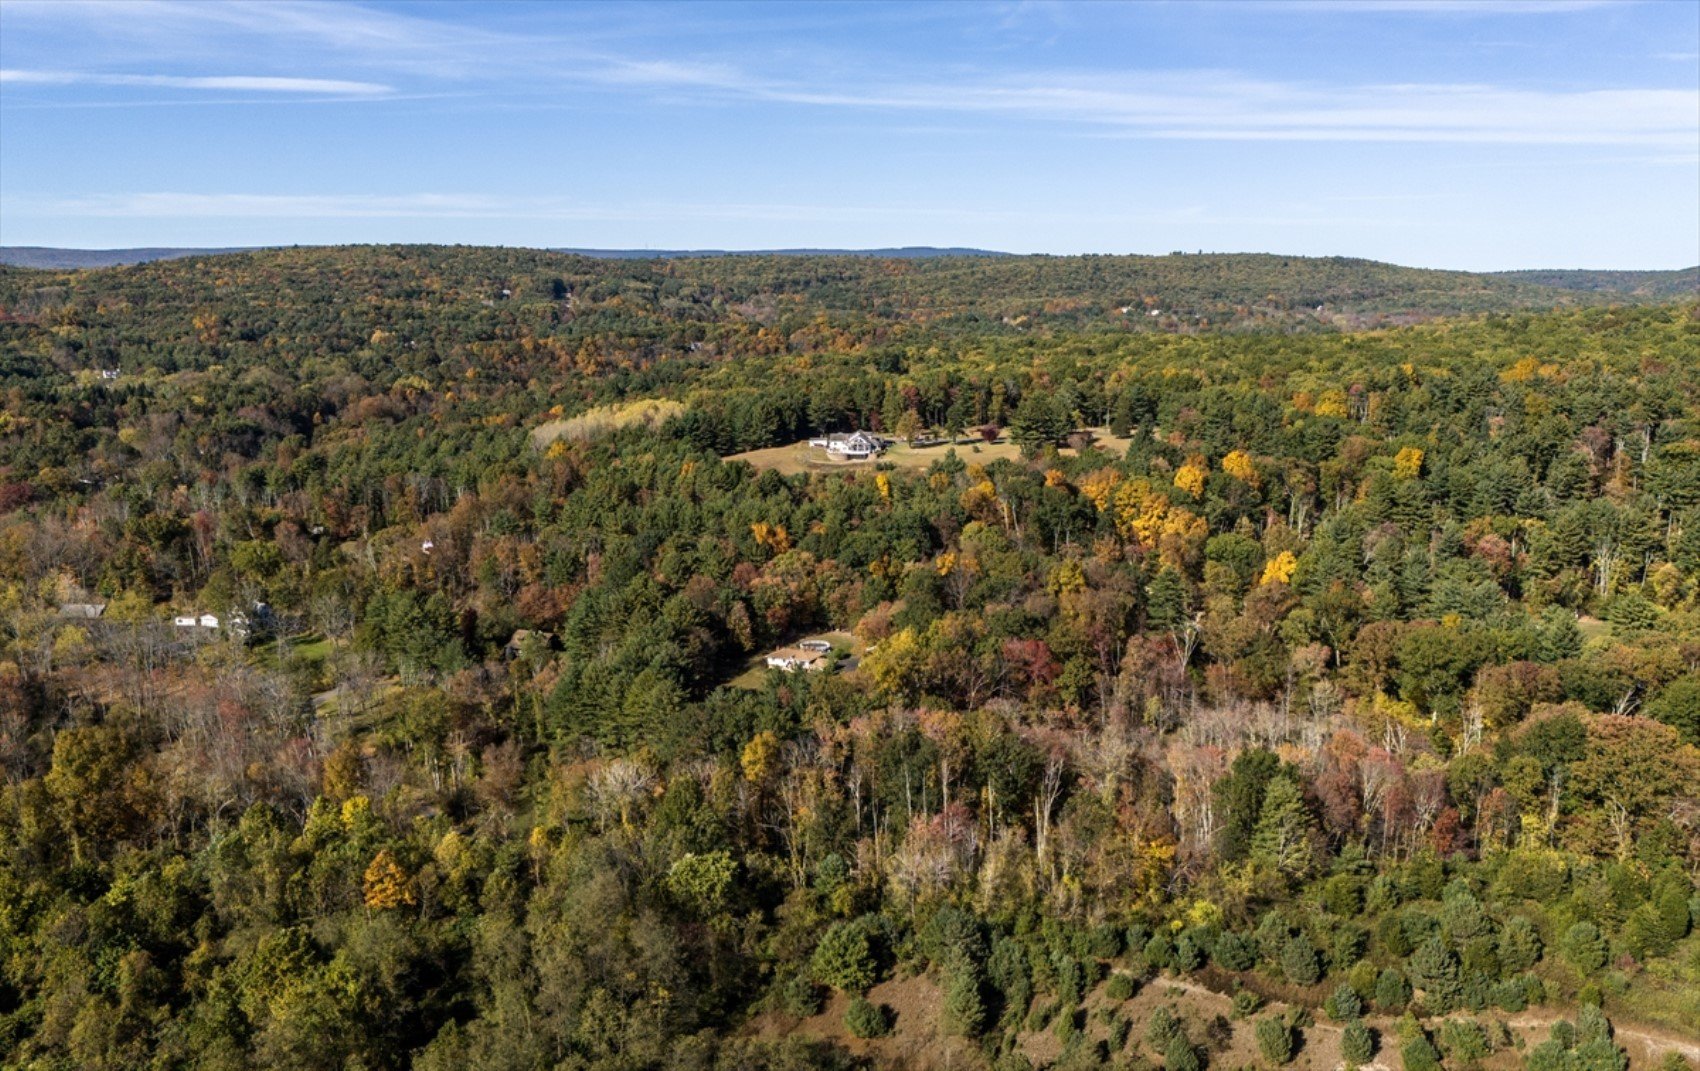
column 799, row 456
column 754, row 675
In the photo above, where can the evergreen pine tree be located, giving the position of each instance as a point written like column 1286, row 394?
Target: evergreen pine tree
column 1519, row 946
column 1392, row 992
column 1180, row 1055
column 1275, row 1040
column 1357, row 1043
column 1282, row 839
column 1419, row 1054
column 964, row 1007
column 1299, row 961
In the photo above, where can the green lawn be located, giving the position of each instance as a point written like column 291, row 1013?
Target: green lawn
column 801, row 457
column 754, row 675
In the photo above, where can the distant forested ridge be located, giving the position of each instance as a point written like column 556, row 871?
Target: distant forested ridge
column 1214, row 289
column 35, row 256
column 1680, row 284
column 383, row 676
column 909, row 252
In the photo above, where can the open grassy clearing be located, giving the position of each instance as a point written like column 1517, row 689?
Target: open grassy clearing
column 650, row 412
column 755, row 671
column 793, row 458
column 1594, row 631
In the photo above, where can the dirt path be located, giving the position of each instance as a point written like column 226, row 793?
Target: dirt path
column 1655, row 1042
column 919, row 1040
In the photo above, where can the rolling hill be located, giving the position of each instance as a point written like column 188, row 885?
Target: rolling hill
column 1176, row 292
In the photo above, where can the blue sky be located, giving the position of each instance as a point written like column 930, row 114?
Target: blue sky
column 1477, row 134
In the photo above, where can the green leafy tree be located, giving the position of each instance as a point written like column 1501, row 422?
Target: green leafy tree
column 98, row 791
column 1631, row 767
column 1678, row 705
column 701, row 882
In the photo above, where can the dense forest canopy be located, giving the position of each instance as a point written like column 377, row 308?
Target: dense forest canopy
column 1245, row 682
column 1681, row 283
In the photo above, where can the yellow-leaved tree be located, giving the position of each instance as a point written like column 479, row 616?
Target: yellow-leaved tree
column 1238, row 464
column 1408, row 463
column 895, row 665
column 1280, row 568
column 1099, row 487
column 388, row 886
column 1332, row 404
column 758, row 757
column 772, row 536
column 1190, row 478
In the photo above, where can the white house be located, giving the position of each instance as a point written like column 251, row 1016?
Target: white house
column 792, row 659
column 856, row 446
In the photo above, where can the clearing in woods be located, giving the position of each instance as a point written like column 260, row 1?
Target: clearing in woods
column 799, row 456
column 754, row 675
column 920, row 1040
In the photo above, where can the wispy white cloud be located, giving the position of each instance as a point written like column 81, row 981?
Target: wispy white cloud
column 325, row 42
column 283, row 30
column 239, row 82
column 1217, row 105
column 615, row 70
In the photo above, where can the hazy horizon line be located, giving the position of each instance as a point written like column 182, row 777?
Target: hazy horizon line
column 638, row 252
